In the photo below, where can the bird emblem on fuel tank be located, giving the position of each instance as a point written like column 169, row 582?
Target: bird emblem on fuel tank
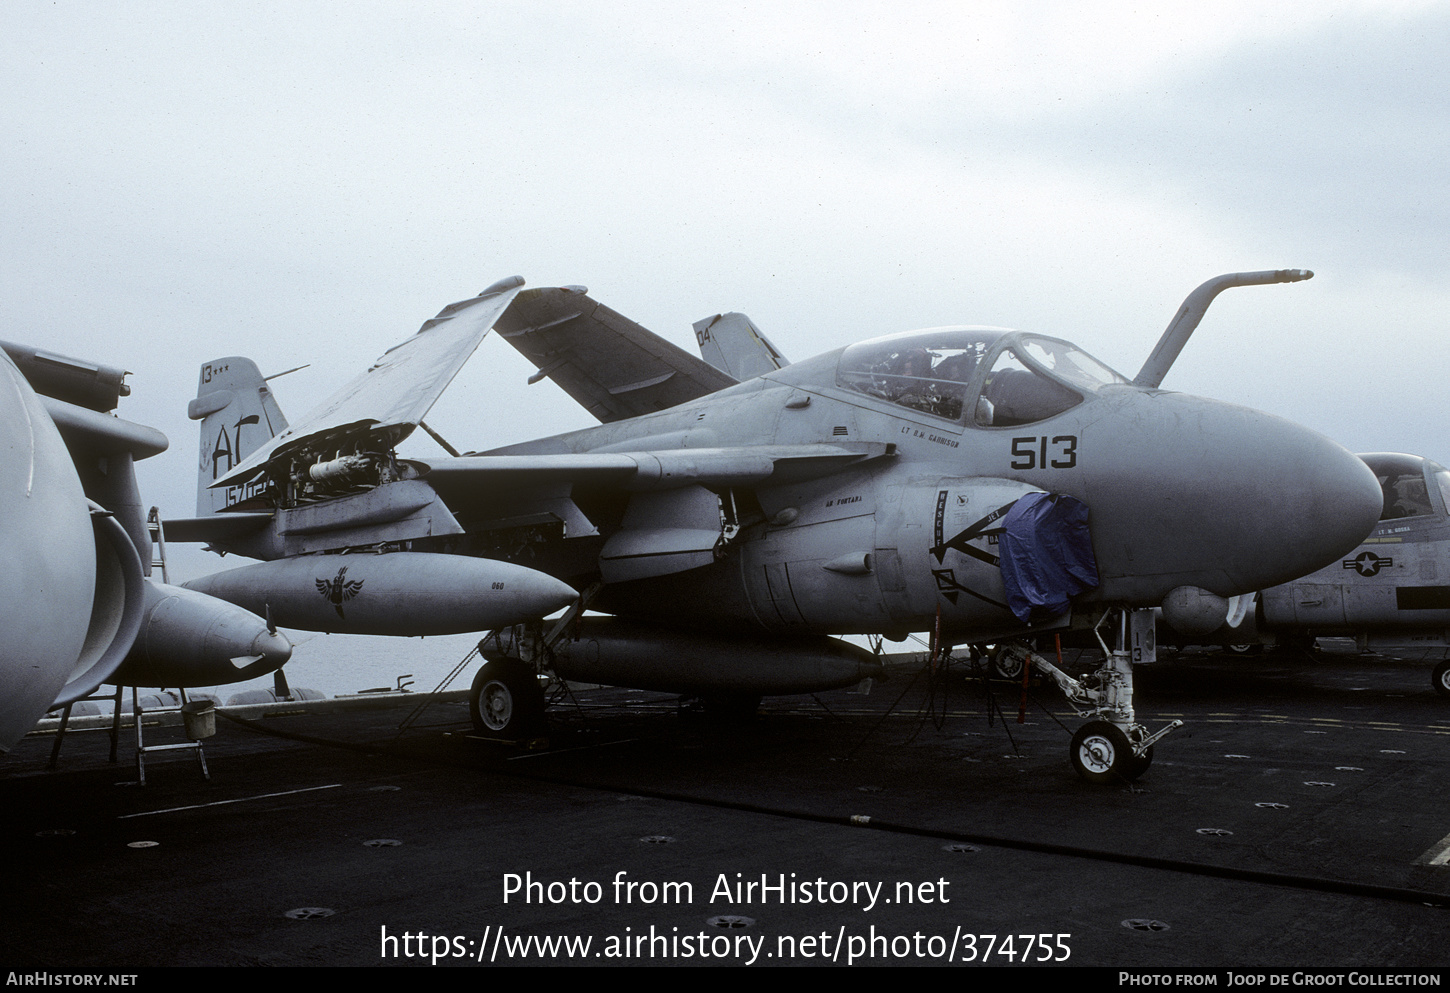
column 339, row 590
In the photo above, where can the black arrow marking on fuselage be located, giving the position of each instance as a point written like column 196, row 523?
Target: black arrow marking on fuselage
column 947, row 586
column 977, row 530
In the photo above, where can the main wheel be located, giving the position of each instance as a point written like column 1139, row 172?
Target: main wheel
column 1441, row 678
column 1101, row 753
column 1007, row 665
column 506, row 701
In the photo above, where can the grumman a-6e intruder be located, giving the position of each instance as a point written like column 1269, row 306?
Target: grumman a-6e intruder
column 985, row 484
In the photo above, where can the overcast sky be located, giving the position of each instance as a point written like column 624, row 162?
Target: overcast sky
column 309, row 182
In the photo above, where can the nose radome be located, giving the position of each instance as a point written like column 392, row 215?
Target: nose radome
column 1237, row 499
column 1332, row 503
column 1346, row 508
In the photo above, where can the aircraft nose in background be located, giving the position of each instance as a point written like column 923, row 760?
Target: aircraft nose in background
column 1209, row 494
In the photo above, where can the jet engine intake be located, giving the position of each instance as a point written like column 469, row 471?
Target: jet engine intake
column 115, row 610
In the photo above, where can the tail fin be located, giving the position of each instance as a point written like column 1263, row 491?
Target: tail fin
column 238, row 415
column 734, row 345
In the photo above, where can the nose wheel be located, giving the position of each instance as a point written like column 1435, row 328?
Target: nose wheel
column 1102, row 753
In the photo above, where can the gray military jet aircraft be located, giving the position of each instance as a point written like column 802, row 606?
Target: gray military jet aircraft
column 1388, row 593
column 78, row 606
column 984, row 484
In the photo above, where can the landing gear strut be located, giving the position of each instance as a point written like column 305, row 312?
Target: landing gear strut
column 1112, row 746
column 506, row 700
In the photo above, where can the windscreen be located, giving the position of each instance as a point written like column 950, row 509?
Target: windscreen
column 927, row 371
column 1402, row 479
column 1036, row 378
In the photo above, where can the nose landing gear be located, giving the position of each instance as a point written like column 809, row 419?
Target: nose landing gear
column 1112, row 746
column 1102, row 753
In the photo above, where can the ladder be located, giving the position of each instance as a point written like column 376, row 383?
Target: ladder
column 114, row 730
column 158, row 545
column 143, row 749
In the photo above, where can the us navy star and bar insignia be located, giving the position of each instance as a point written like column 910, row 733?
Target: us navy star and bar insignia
column 1368, row 563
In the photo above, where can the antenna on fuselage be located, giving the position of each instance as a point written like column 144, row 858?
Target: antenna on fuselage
column 1192, row 311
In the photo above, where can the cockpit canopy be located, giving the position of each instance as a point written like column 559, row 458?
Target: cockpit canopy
column 1003, row 378
column 1407, row 482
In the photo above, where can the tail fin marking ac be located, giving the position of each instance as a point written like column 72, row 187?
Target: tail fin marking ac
column 238, row 415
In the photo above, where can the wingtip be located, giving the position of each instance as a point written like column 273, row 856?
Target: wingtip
column 503, row 285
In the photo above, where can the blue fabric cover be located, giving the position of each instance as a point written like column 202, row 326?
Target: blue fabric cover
column 1047, row 553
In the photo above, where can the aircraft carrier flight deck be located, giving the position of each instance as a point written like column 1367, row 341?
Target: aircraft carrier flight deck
column 1298, row 818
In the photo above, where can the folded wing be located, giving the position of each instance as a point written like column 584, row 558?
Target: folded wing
column 388, row 401
column 613, row 367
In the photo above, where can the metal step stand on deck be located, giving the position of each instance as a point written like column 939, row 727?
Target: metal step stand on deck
column 143, row 749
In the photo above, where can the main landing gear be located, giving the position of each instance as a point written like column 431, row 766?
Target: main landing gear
column 1112, row 746
column 1441, row 678
column 505, row 701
